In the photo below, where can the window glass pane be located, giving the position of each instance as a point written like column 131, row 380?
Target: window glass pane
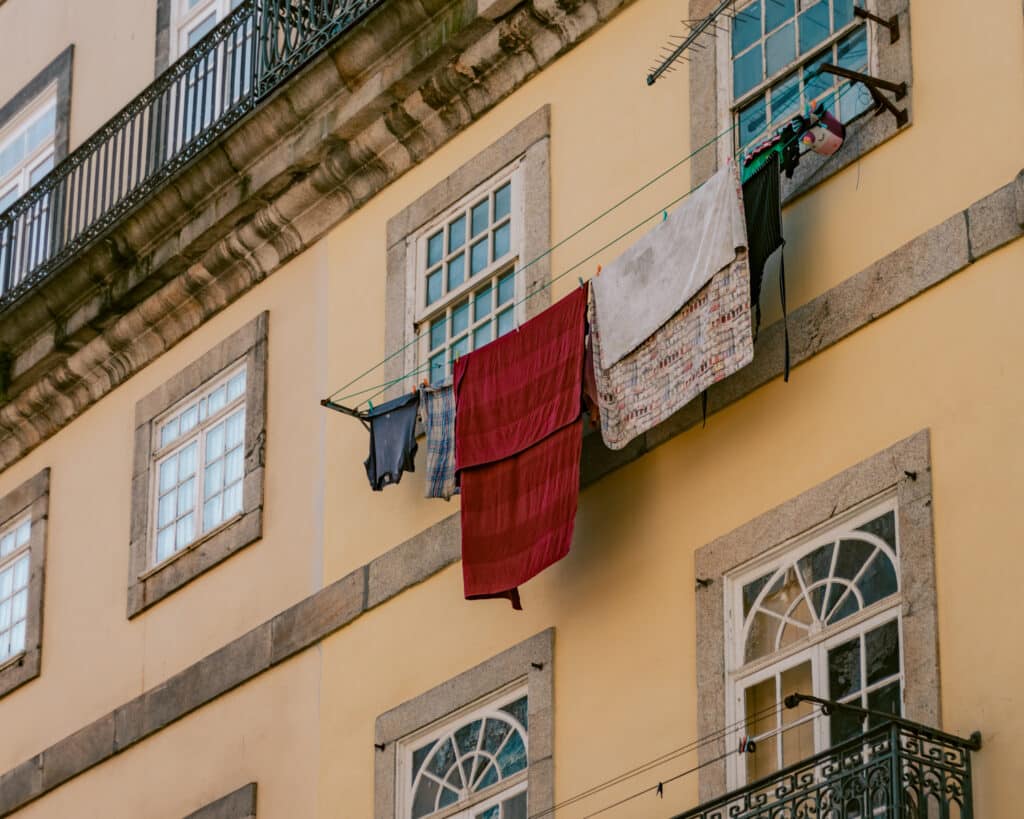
column 845, row 725
column 503, row 202
column 842, row 13
column 798, row 740
column 506, row 288
column 235, row 429
column 433, row 286
column 753, row 121
column 197, row 34
column 435, row 248
column 7, row 544
column 169, row 432
column 883, row 527
column 814, row 26
column 878, row 580
column 456, row 271
column 8, row 199
column 12, row 155
column 512, row 756
column 479, row 217
column 456, row 234
column 232, row 500
column 460, row 318
column 502, row 240
column 746, row 71
column 212, row 514
column 437, row 372
column 437, row 333
column 21, row 572
column 785, row 100
column 482, row 303
column 518, row 709
column 213, row 479
column 853, row 554
column 41, row 130
column 40, row 170
column 165, row 544
column 187, row 461
column 514, row 808
column 186, row 496
column 882, row 652
column 5, row 614
column 17, row 638
column 22, row 534
column 478, row 257
column 887, row 699
column 852, row 50
column 746, row 27
column 780, row 49
column 777, row 12
column 460, row 348
column 236, row 386
column 760, row 711
column 184, row 533
column 481, row 336
column 506, row 322
column 844, row 670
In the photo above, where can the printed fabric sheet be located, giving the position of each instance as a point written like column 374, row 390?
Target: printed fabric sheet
column 710, row 338
column 518, row 442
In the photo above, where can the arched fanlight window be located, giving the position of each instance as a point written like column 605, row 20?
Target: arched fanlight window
column 475, row 755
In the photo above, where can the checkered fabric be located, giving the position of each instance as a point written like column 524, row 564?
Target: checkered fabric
column 439, row 418
column 708, row 339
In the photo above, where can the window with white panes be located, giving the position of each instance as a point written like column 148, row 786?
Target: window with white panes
column 194, row 19
column 465, row 263
column 199, row 458
column 27, row 148
column 823, row 618
column 474, row 766
column 776, row 48
column 15, row 556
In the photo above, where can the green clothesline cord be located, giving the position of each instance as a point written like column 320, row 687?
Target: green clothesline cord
column 380, row 388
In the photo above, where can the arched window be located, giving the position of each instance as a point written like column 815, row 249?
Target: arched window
column 478, row 760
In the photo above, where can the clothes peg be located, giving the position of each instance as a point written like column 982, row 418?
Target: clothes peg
column 664, row 215
column 580, row 280
column 371, row 405
column 598, row 271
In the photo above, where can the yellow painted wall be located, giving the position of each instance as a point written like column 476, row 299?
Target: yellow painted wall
column 114, row 46
column 622, row 603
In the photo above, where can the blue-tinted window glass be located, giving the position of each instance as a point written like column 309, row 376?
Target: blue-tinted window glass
column 746, row 72
column 746, row 27
column 437, row 334
column 814, row 26
column 437, row 372
column 506, row 322
column 852, row 51
column 435, row 248
column 777, row 12
column 815, row 86
column 503, row 202
column 460, row 319
column 506, row 288
column 780, row 49
column 478, row 257
column 40, row 130
column 752, row 120
column 460, row 348
column 433, row 286
column 479, row 217
column 456, row 234
column 785, row 100
column 456, row 271
column 842, row 13
column 482, row 304
column 481, row 336
column 502, row 240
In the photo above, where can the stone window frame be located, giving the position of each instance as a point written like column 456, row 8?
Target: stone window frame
column 57, row 74
column 149, row 584
column 529, row 142
column 239, row 804
column 904, row 470
column 531, row 661
column 31, row 497
column 711, row 104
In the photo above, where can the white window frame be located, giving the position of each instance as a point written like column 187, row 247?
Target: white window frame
column 20, row 179
column 419, row 314
column 480, row 800
column 740, row 676
column 159, row 454
column 185, row 20
column 7, row 562
column 729, row 108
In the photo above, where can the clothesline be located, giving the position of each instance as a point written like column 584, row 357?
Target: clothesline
column 380, row 388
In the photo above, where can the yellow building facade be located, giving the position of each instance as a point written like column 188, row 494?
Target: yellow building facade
column 297, row 645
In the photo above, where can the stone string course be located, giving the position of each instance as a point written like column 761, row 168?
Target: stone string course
column 925, row 261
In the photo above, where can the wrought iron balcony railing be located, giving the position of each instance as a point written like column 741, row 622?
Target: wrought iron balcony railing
column 246, row 57
column 897, row 770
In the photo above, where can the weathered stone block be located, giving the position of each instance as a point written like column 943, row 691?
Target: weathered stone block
column 312, row 619
column 414, row 560
column 21, row 785
column 993, row 221
column 78, row 752
column 240, row 804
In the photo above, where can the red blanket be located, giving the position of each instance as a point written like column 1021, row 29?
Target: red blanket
column 517, row 449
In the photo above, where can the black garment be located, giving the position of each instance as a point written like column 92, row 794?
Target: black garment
column 762, row 203
column 392, row 440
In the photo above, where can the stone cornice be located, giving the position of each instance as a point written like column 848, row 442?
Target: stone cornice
column 388, row 95
column 925, row 261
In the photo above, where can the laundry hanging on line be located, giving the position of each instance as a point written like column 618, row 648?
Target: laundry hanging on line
column 392, row 440
column 518, row 444
column 706, row 336
column 438, row 405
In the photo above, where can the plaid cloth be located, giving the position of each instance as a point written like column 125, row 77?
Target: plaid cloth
column 709, row 339
column 439, row 418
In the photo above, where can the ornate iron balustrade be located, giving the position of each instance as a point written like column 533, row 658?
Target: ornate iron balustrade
column 897, row 770
column 247, row 56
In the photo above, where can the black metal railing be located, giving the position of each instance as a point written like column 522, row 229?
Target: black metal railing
column 895, row 771
column 247, row 56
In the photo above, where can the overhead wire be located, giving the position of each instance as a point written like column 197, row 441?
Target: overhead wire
column 380, row 388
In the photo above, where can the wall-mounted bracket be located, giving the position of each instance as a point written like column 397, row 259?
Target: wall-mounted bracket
column 893, row 23
column 875, row 86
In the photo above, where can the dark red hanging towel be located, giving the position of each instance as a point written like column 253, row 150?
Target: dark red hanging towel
column 517, row 449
